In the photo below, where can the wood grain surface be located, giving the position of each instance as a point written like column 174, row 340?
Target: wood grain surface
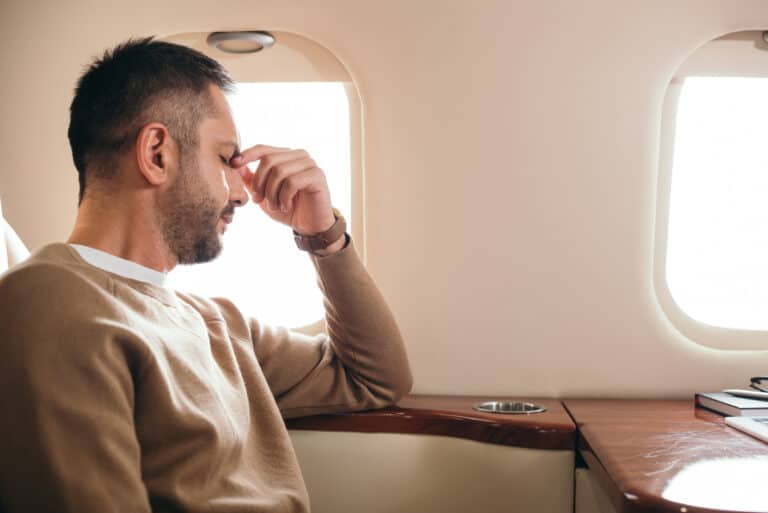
column 668, row 456
column 454, row 416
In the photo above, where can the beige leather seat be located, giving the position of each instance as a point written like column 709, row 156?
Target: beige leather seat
column 12, row 249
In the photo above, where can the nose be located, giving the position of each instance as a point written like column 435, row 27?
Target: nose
column 237, row 192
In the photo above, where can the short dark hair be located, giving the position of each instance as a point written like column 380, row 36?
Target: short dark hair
column 139, row 81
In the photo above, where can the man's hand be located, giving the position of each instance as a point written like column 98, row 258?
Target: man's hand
column 288, row 186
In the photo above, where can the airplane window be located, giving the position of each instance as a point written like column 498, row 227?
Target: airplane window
column 260, row 268
column 717, row 238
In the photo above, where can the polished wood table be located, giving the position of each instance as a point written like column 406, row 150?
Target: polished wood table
column 454, row 416
column 668, row 456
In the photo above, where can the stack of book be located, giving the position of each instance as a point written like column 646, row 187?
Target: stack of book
column 745, row 410
column 732, row 405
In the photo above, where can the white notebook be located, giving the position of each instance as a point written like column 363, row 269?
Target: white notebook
column 755, row 426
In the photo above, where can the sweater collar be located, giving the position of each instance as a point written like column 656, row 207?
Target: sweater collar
column 120, row 266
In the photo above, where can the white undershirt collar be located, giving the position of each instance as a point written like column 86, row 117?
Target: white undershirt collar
column 120, row 266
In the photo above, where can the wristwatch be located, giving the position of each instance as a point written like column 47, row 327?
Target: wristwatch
column 324, row 239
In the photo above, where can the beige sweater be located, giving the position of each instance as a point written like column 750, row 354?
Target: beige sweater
column 118, row 395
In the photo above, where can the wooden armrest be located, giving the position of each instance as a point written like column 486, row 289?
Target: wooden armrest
column 454, row 416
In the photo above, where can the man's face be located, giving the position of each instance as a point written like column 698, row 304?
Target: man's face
column 206, row 191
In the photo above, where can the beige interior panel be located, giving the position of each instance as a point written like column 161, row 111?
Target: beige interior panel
column 401, row 473
column 590, row 497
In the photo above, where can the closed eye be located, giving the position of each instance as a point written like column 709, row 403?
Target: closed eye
column 224, row 160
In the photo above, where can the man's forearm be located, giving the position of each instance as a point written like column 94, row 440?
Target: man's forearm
column 361, row 323
column 333, row 248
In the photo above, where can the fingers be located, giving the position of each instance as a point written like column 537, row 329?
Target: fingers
column 284, row 163
column 290, row 187
column 281, row 174
column 276, row 177
column 246, row 175
column 253, row 154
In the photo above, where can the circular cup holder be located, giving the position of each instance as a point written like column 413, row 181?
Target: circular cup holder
column 509, row 407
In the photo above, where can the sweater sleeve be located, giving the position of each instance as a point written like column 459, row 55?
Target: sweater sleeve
column 359, row 364
column 67, row 437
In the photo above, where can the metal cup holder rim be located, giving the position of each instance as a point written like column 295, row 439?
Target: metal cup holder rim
column 509, row 407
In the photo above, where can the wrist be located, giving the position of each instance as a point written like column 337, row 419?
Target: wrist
column 335, row 247
column 319, row 227
column 328, row 240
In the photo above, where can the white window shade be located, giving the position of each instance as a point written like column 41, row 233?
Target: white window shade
column 717, row 246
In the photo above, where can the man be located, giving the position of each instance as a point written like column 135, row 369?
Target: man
column 118, row 394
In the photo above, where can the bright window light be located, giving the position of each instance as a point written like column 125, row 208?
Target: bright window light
column 260, row 268
column 717, row 251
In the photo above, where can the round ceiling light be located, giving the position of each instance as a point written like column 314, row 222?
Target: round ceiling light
column 241, row 42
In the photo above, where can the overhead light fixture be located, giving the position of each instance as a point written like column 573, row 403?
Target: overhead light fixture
column 241, row 42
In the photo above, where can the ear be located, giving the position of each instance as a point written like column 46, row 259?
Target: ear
column 156, row 153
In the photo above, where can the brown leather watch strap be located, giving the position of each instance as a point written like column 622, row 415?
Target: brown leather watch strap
column 324, row 239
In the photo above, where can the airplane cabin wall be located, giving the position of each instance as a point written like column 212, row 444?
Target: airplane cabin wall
column 510, row 152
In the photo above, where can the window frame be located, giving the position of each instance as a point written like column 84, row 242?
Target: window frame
column 715, row 337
